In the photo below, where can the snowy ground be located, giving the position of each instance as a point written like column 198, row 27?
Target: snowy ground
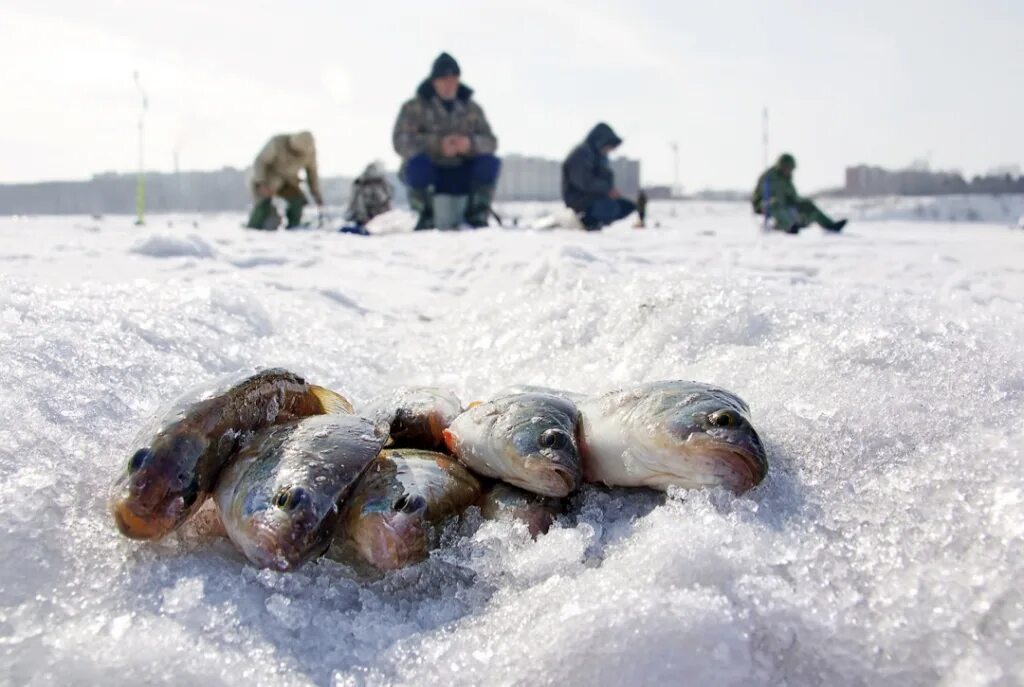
column 884, row 367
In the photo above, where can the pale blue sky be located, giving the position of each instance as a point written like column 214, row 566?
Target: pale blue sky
column 874, row 81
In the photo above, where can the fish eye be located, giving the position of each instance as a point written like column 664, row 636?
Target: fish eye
column 554, row 439
column 290, row 497
column 723, row 418
column 139, row 459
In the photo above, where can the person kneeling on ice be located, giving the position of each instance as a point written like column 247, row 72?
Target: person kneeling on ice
column 447, row 147
column 588, row 183
column 777, row 199
column 275, row 173
column 371, row 195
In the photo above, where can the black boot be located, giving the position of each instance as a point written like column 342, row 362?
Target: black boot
column 478, row 207
column 836, row 226
column 422, row 202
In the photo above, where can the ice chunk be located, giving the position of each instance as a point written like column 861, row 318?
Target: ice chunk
column 173, row 246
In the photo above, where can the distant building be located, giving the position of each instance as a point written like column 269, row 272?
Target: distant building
column 660, row 192
column 864, row 180
column 536, row 178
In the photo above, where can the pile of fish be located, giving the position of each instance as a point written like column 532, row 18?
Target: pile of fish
column 295, row 472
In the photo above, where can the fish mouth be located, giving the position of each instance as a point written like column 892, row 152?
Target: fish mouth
column 146, row 525
column 739, row 466
column 281, row 547
column 546, row 478
column 393, row 543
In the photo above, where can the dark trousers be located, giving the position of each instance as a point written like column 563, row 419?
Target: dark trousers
column 607, row 210
column 475, row 172
column 801, row 214
column 264, row 216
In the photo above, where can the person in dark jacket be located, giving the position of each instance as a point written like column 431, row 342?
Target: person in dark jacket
column 447, row 146
column 641, row 209
column 588, row 184
column 775, row 197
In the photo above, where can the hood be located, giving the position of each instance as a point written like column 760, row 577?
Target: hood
column 426, row 91
column 602, row 135
column 374, row 170
column 302, row 143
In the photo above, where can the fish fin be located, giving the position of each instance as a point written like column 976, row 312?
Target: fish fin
column 333, row 403
column 449, row 441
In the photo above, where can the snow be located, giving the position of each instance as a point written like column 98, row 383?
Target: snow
column 883, row 366
column 1000, row 209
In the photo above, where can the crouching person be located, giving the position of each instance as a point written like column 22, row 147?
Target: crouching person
column 275, row 173
column 776, row 198
column 588, row 183
column 446, row 146
column 371, row 195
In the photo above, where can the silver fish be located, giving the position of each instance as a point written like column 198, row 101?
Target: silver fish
column 687, row 434
column 415, row 416
column 529, row 440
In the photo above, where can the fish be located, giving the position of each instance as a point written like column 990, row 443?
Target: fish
column 415, row 416
column 179, row 454
column 671, row 433
column 280, row 499
column 573, row 396
column 504, row 502
column 395, row 513
column 528, row 440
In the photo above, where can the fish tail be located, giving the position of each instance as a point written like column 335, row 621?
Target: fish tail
column 333, row 403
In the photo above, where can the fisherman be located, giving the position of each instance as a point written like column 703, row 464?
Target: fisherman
column 641, row 209
column 275, row 173
column 588, row 183
column 446, row 146
column 777, row 199
column 371, row 195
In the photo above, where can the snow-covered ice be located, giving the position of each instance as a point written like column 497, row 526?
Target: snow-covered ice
column 884, row 368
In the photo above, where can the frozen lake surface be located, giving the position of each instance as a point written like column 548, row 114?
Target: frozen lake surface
column 884, row 368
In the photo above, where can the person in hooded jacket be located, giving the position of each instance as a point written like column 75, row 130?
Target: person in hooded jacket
column 776, row 198
column 371, row 195
column 588, row 183
column 275, row 173
column 446, row 146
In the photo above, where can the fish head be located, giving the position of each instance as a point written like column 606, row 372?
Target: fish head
column 717, row 443
column 544, row 453
column 388, row 526
column 284, row 527
column 159, row 486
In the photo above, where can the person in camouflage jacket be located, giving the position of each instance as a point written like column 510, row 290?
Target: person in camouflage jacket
column 275, row 173
column 446, row 145
column 775, row 197
column 371, row 195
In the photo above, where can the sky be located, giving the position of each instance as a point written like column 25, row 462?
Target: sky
column 880, row 82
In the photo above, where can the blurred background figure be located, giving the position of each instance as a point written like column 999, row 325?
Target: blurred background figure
column 275, row 174
column 371, row 195
column 775, row 197
column 588, row 183
column 641, row 209
column 446, row 146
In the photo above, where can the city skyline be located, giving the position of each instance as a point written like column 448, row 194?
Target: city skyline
column 874, row 84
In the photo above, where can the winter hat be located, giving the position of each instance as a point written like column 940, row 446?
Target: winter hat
column 787, row 160
column 444, row 65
